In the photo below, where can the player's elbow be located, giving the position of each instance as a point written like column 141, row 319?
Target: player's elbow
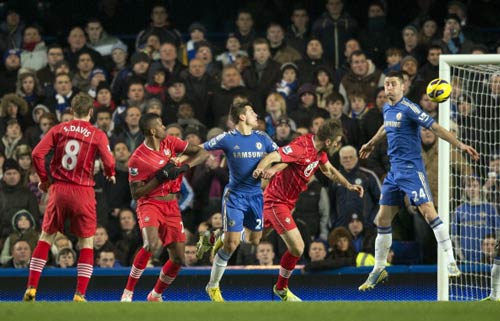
column 274, row 157
column 136, row 195
column 203, row 154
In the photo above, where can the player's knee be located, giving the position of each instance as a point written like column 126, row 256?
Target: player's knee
column 297, row 249
column 179, row 260
column 152, row 245
column 255, row 241
column 381, row 221
column 428, row 211
column 231, row 245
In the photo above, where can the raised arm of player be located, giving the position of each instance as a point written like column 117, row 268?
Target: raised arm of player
column 367, row 148
column 264, row 163
column 450, row 138
column 333, row 174
column 197, row 155
column 107, row 158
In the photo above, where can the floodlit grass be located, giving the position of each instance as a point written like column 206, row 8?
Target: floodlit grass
column 251, row 311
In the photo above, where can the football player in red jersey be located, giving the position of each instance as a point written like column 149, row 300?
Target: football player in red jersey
column 75, row 145
column 154, row 184
column 303, row 156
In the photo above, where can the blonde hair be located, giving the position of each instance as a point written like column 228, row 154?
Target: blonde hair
column 22, row 150
column 280, row 100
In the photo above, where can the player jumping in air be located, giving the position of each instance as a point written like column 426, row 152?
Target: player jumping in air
column 242, row 202
column 303, row 156
column 402, row 120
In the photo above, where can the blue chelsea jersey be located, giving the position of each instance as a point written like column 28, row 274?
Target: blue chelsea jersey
column 243, row 153
column 402, row 124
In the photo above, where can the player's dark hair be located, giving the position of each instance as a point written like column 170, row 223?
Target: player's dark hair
column 397, row 74
column 331, row 129
column 81, row 104
column 146, row 121
column 238, row 109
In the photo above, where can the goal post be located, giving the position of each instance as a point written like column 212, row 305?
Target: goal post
column 469, row 75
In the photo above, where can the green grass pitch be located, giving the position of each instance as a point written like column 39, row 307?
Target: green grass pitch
column 251, row 311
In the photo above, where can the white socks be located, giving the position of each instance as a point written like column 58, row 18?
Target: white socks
column 495, row 279
column 383, row 244
column 218, row 268
column 443, row 238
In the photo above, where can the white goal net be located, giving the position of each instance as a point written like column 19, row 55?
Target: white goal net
column 469, row 191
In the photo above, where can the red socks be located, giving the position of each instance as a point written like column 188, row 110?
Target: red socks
column 85, row 268
column 288, row 262
column 140, row 261
column 167, row 276
column 37, row 263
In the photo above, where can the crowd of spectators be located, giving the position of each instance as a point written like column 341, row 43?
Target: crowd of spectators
column 305, row 65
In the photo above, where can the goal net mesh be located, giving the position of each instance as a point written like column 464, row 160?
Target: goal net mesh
column 474, row 185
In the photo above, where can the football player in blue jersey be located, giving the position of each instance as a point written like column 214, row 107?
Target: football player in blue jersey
column 402, row 120
column 242, row 203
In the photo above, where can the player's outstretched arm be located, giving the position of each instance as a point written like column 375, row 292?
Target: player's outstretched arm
column 264, row 163
column 450, row 138
column 332, row 173
column 367, row 148
column 197, row 155
column 269, row 173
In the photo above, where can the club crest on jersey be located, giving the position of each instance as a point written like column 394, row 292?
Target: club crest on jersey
column 146, row 219
column 287, row 149
column 399, row 116
column 258, row 145
column 358, row 181
column 167, row 152
column 133, row 171
column 309, row 169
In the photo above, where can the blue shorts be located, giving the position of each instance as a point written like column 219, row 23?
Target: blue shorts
column 412, row 182
column 242, row 210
